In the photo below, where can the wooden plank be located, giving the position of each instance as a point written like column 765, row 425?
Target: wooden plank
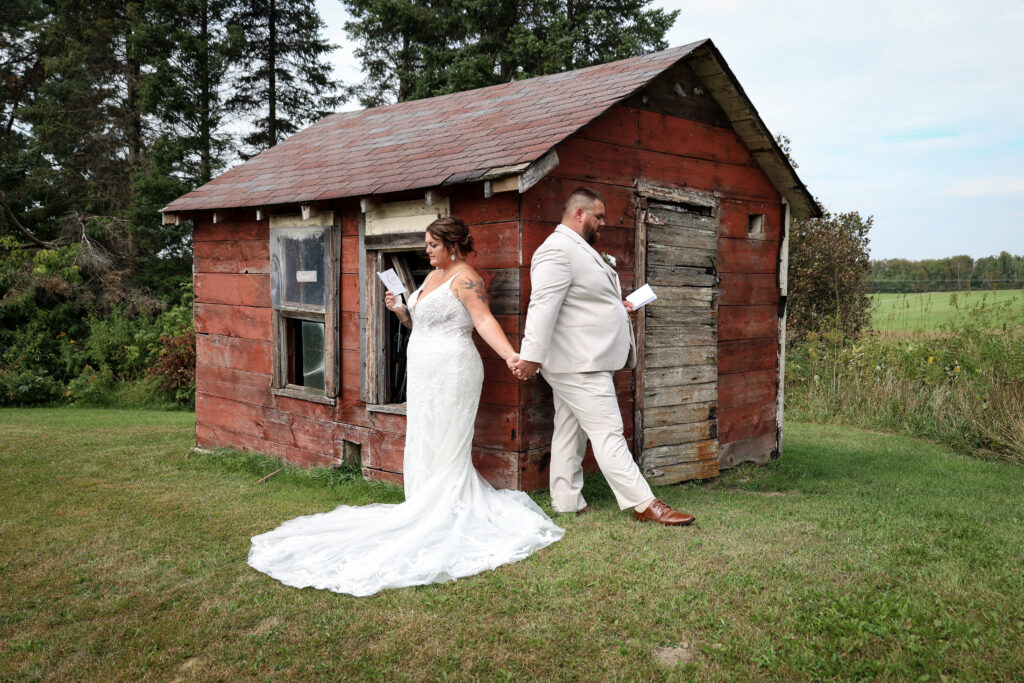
column 250, row 355
column 742, row 289
column 747, row 354
column 662, row 255
column 536, row 171
column 672, row 396
column 692, row 451
column 680, row 92
column 661, row 315
column 666, row 416
column 746, row 389
column 236, row 228
column 679, row 276
column 350, row 292
column 689, row 471
column 306, row 408
column 660, row 194
column 543, row 202
column 404, row 216
column 679, row 433
column 244, row 418
column 670, row 357
column 536, row 423
column 588, row 160
column 758, row 449
column 500, row 468
column 349, row 330
column 619, row 124
column 744, row 422
column 234, row 289
column 679, row 336
column 685, row 296
column 640, row 370
column 670, row 219
column 673, row 236
column 735, row 216
column 235, row 385
column 747, row 322
column 497, row 246
column 681, row 376
column 467, row 204
column 747, row 256
column 496, row 427
column 350, row 254
column 390, row 242
column 233, row 321
column 231, row 256
column 685, row 137
column 316, row 436
column 351, row 370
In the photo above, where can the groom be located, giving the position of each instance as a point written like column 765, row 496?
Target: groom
column 578, row 331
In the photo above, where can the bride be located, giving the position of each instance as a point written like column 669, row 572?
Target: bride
column 452, row 523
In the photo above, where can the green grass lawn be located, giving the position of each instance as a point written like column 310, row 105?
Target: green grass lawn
column 931, row 310
column 856, row 555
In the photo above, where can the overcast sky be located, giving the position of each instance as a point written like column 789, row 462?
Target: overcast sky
column 911, row 111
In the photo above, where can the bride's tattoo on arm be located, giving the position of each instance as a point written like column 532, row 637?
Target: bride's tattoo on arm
column 476, row 286
column 404, row 317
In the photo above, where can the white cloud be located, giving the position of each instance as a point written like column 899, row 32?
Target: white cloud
column 988, row 187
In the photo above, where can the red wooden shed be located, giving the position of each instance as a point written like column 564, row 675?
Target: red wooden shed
column 298, row 358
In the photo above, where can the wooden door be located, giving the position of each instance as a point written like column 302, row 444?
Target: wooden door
column 676, row 380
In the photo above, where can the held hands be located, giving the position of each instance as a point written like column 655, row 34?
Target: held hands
column 523, row 369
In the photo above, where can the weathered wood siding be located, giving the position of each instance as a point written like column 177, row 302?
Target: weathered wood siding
column 629, row 143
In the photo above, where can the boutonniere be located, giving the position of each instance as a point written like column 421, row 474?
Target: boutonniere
column 608, row 258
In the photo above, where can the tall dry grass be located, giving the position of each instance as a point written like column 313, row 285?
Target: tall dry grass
column 962, row 384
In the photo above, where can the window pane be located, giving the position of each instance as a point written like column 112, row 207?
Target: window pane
column 297, row 267
column 312, row 354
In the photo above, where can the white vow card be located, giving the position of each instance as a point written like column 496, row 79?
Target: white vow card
column 641, row 297
column 390, row 279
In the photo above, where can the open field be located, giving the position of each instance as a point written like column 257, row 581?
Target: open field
column 856, row 555
column 932, row 310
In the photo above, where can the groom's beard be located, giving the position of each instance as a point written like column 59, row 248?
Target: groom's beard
column 591, row 236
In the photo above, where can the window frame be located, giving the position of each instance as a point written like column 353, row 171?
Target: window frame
column 330, row 223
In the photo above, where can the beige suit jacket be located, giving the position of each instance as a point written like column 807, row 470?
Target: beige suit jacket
column 576, row 321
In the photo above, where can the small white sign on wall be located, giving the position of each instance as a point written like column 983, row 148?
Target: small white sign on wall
column 305, row 276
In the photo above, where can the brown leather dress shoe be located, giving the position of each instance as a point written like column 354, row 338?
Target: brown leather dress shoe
column 583, row 510
column 663, row 514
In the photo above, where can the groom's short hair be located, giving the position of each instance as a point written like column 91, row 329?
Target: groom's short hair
column 583, row 197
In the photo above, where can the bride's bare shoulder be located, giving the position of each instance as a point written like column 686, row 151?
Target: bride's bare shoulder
column 468, row 283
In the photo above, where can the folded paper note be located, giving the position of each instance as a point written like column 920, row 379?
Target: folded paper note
column 641, row 297
column 390, row 279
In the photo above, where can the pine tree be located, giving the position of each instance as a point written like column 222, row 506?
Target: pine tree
column 284, row 81
column 413, row 48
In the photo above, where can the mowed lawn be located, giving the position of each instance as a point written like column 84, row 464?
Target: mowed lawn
column 856, row 555
column 932, row 310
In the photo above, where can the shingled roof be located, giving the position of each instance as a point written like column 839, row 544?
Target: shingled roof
column 469, row 136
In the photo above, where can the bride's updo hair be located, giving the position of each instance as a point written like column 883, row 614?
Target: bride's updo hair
column 453, row 234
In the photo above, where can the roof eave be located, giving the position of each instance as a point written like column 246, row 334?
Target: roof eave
column 709, row 65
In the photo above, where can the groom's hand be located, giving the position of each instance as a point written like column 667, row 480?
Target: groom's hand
column 629, row 306
column 524, row 369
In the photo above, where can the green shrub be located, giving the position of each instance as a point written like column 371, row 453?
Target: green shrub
column 27, row 387
column 963, row 386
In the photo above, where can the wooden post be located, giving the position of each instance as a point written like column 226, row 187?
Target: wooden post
column 783, row 289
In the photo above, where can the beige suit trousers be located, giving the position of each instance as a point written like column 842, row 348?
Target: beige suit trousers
column 586, row 408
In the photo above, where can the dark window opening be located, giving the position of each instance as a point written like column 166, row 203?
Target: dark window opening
column 412, row 267
column 755, row 224
column 305, row 353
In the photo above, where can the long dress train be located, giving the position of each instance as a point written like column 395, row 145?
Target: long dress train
column 453, row 523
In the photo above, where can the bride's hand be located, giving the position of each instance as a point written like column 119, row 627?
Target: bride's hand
column 511, row 361
column 391, row 302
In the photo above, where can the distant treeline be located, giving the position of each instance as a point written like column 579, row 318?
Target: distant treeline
column 955, row 273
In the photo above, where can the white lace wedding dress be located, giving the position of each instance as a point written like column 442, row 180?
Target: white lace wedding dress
column 452, row 523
